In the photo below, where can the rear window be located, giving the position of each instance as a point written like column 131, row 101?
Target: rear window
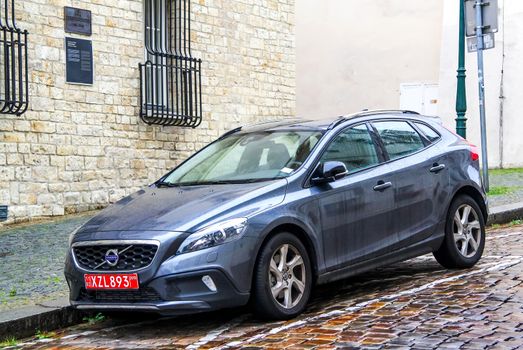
column 429, row 133
column 400, row 139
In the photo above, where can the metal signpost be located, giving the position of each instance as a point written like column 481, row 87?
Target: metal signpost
column 481, row 19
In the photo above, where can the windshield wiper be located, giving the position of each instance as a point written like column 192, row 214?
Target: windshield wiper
column 203, row 183
column 165, row 184
column 216, row 182
column 250, row 181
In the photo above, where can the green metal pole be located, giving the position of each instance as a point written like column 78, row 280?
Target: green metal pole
column 461, row 94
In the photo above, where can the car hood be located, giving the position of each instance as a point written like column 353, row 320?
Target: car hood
column 186, row 209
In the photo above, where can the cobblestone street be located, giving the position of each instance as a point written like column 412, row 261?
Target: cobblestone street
column 411, row 305
column 37, row 251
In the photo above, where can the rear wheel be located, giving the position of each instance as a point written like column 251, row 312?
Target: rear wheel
column 464, row 235
column 282, row 278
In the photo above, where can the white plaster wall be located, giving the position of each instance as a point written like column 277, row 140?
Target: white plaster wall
column 355, row 54
column 505, row 144
column 513, row 85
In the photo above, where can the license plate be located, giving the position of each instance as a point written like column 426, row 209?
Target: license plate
column 111, row 281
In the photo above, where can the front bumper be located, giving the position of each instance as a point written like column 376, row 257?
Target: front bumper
column 173, row 284
column 168, row 295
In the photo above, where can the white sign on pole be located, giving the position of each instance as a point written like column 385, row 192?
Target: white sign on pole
column 489, row 11
column 489, row 42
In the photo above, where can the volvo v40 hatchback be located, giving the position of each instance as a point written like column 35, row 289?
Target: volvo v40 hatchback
column 266, row 212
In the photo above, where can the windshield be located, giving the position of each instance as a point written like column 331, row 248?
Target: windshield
column 246, row 157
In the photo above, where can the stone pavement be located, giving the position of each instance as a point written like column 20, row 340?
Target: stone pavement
column 32, row 261
column 411, row 305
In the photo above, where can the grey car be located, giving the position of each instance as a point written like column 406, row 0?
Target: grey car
column 266, row 212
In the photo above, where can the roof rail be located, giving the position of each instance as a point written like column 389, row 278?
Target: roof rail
column 253, row 125
column 371, row 112
column 382, row 111
column 235, row 130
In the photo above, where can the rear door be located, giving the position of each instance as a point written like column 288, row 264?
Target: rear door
column 437, row 166
column 356, row 210
column 419, row 176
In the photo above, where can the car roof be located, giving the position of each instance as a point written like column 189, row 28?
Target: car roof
column 322, row 124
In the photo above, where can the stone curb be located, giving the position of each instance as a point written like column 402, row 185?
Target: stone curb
column 20, row 323
column 504, row 214
column 25, row 322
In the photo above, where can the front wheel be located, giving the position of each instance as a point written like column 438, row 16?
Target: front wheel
column 282, row 278
column 464, row 235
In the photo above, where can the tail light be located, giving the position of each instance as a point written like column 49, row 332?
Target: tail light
column 474, row 152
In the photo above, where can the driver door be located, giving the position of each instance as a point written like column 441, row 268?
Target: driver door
column 355, row 210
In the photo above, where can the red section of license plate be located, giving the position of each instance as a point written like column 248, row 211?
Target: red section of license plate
column 111, row 281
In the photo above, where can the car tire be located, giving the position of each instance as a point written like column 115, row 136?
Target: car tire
column 288, row 279
column 464, row 226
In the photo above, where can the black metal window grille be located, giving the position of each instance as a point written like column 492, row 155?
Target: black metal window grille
column 14, row 88
column 170, row 78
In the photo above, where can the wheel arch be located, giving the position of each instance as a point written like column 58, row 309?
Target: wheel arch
column 473, row 192
column 302, row 234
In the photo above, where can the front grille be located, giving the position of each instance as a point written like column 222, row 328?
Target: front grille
column 131, row 256
column 119, row 296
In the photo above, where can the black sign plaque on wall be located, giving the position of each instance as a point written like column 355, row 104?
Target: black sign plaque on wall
column 77, row 21
column 79, row 61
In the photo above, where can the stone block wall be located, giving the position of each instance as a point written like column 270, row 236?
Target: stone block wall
column 79, row 148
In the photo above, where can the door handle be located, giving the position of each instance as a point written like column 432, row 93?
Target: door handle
column 381, row 186
column 436, row 168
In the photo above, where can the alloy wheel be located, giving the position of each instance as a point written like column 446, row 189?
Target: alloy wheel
column 467, row 231
column 287, row 276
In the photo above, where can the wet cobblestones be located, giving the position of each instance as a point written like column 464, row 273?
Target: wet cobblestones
column 411, row 305
column 32, row 261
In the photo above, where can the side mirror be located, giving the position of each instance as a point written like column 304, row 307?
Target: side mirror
column 329, row 172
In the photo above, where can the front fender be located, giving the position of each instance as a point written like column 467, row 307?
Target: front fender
column 305, row 223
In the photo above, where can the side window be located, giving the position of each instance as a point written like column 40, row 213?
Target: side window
column 353, row 147
column 429, row 133
column 399, row 138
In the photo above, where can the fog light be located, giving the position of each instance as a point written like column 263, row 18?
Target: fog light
column 209, row 283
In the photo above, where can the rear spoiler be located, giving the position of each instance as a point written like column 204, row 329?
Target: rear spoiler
column 434, row 119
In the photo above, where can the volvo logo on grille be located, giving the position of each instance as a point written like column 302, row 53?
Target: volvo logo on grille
column 111, row 257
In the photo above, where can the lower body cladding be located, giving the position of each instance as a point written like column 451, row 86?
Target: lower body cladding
column 184, row 284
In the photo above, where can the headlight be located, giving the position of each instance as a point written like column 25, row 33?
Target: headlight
column 71, row 236
column 214, row 235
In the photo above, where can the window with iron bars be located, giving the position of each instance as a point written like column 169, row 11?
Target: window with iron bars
column 170, row 79
column 14, row 88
